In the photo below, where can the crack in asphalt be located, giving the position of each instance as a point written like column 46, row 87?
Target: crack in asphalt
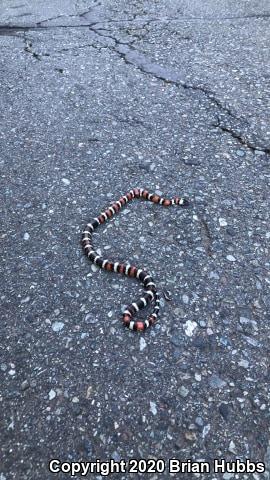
column 77, row 15
column 133, row 57
column 240, row 137
column 135, row 19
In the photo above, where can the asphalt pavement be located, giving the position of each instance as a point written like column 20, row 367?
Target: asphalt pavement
column 98, row 98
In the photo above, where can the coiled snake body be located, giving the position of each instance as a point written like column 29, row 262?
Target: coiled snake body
column 151, row 294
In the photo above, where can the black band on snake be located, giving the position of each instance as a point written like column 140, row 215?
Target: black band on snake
column 151, row 294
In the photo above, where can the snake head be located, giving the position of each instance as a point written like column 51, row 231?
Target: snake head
column 184, row 202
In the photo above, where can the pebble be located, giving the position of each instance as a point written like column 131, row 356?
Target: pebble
column 198, row 377
column 183, row 391
column 216, row 382
column 231, row 258
column 240, row 153
column 185, row 299
column 243, row 363
column 52, row 394
column 57, row 326
column 153, row 408
column 202, row 324
column 214, row 275
column 206, row 430
column 232, row 447
column 142, row 344
column 251, row 341
column 225, row 341
column 25, row 385
column 222, row 222
column 94, row 268
column 25, row 300
column 90, row 319
column 190, row 327
column 199, row 421
column 224, row 410
column 247, row 321
column 65, row 181
column 26, row 236
column 191, row 436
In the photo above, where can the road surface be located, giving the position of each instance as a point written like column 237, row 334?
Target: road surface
column 97, row 98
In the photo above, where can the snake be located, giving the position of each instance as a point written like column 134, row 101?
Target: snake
column 151, row 294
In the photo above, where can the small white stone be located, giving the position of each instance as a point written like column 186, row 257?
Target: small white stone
column 52, row 394
column 243, row 363
column 198, row 377
column 10, row 427
column 142, row 344
column 232, row 447
column 222, row 222
column 214, row 275
column 206, row 430
column 110, row 314
column 183, row 391
column 66, row 181
column 75, row 400
column 231, row 258
column 25, row 300
column 185, row 299
column 57, row 326
column 190, row 327
column 153, row 408
column 12, row 372
column 94, row 268
column 26, row 236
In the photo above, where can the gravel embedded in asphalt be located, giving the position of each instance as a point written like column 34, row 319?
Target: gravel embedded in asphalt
column 98, row 98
